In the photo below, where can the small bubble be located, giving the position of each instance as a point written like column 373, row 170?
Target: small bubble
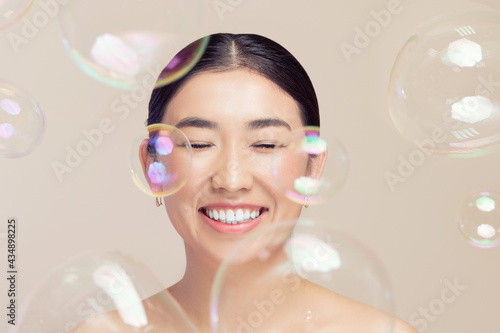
column 479, row 219
column 21, row 121
column 314, row 178
column 161, row 162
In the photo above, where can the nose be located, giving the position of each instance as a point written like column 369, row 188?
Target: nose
column 232, row 172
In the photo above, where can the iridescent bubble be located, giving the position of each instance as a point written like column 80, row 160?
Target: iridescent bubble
column 274, row 280
column 102, row 292
column 444, row 92
column 183, row 62
column 479, row 219
column 12, row 10
column 21, row 121
column 126, row 43
column 307, row 181
column 161, row 163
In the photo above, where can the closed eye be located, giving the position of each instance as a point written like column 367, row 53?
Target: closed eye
column 265, row 145
column 195, row 145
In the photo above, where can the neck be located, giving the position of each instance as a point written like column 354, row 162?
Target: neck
column 193, row 290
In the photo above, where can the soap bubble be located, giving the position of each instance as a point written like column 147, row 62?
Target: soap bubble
column 167, row 156
column 183, row 62
column 264, row 283
column 490, row 3
column 122, row 42
column 444, row 92
column 102, row 292
column 297, row 166
column 12, row 10
column 21, row 121
column 479, row 219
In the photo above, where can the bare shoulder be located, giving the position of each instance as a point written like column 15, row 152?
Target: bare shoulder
column 401, row 326
column 113, row 322
column 150, row 315
column 105, row 322
column 341, row 314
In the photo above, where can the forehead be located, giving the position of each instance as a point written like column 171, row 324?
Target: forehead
column 232, row 96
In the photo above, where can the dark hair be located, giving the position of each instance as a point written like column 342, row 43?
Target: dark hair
column 225, row 52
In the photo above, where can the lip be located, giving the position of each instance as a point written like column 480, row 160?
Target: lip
column 225, row 205
column 239, row 228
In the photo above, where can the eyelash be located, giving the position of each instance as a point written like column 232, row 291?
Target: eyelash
column 208, row 145
column 265, row 145
column 201, row 145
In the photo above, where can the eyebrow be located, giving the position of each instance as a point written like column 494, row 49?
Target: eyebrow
column 268, row 122
column 197, row 122
column 252, row 125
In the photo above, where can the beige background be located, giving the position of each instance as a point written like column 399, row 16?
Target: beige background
column 413, row 229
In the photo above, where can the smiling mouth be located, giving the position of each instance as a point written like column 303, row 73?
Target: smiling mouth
column 233, row 216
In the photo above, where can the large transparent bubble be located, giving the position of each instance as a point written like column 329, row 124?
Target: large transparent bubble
column 490, row 3
column 274, row 280
column 479, row 219
column 12, row 10
column 444, row 92
column 125, row 43
column 21, row 121
column 303, row 170
column 182, row 62
column 161, row 163
column 101, row 292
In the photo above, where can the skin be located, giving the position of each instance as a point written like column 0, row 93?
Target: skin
column 231, row 163
column 234, row 169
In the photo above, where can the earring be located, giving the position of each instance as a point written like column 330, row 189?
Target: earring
column 306, row 204
column 158, row 202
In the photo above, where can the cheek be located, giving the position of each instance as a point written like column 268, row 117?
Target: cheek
column 278, row 174
column 288, row 167
column 182, row 213
column 183, row 204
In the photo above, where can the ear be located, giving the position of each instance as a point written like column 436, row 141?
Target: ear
column 146, row 159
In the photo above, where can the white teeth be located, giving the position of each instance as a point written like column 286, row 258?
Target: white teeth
column 229, row 216
column 239, row 215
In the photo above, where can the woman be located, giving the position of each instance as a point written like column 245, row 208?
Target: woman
column 242, row 97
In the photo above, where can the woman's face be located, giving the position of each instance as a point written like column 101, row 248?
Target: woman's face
column 233, row 120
